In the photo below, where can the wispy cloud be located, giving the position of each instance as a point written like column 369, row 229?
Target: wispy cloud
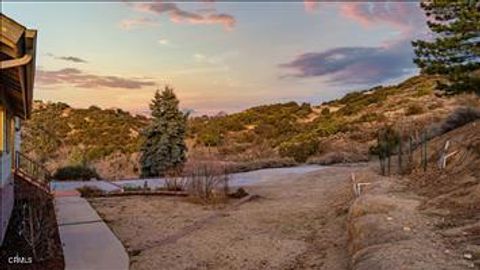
column 178, row 15
column 407, row 17
column 354, row 65
column 220, row 58
column 73, row 59
column 81, row 79
column 129, row 24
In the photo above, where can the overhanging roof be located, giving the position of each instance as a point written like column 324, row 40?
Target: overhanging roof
column 17, row 65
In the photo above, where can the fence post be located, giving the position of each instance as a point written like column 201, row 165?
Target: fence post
column 389, row 153
column 400, row 156
column 380, row 154
column 410, row 149
column 425, row 161
column 442, row 161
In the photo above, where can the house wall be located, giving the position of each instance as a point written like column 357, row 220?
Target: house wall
column 7, row 141
column 6, row 204
column 6, row 174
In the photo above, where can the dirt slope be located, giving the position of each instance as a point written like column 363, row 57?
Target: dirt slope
column 425, row 220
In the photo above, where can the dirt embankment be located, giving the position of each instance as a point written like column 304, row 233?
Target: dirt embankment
column 386, row 231
column 425, row 220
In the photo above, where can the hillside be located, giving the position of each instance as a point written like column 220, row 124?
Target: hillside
column 337, row 131
column 271, row 135
column 58, row 135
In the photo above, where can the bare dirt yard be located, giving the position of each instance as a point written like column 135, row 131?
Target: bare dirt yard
column 296, row 223
column 311, row 221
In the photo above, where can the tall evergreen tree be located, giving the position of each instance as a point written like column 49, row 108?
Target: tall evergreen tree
column 455, row 49
column 164, row 148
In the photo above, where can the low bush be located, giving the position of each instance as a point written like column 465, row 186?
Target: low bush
column 300, row 149
column 90, row 191
column 458, row 118
column 326, row 126
column 76, row 172
column 134, row 188
column 423, row 91
column 414, row 109
column 174, row 181
column 372, row 117
column 325, row 111
column 388, row 140
column 239, row 193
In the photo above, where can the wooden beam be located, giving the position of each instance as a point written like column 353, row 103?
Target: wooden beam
column 23, row 84
column 18, row 62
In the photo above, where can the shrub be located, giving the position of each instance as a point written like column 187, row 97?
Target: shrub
column 76, row 172
column 388, row 141
column 423, row 91
column 239, row 193
column 300, row 149
column 174, row 181
column 414, row 109
column 325, row 111
column 371, row 117
column 304, row 110
column 210, row 138
column 460, row 117
column 326, row 126
column 90, row 191
column 134, row 188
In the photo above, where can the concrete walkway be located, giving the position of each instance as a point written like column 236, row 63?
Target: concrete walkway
column 88, row 243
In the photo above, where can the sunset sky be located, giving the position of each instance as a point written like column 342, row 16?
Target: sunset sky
column 219, row 56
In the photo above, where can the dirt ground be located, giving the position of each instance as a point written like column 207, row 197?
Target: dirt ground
column 308, row 221
column 297, row 223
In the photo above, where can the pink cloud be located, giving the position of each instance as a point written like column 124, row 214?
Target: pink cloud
column 81, row 79
column 310, row 6
column 129, row 24
column 178, row 15
column 406, row 17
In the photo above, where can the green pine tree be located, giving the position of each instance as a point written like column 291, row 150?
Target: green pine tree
column 164, row 148
column 455, row 49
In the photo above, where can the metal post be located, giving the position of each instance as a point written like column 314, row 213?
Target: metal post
column 425, row 162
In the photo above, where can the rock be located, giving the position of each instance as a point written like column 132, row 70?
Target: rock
column 468, row 256
column 407, row 229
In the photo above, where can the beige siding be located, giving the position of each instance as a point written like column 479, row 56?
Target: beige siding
column 6, row 206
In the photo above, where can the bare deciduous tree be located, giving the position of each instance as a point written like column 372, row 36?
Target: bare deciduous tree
column 174, row 180
column 206, row 180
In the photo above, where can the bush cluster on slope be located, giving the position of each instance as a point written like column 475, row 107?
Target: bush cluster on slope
column 76, row 172
column 86, row 134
